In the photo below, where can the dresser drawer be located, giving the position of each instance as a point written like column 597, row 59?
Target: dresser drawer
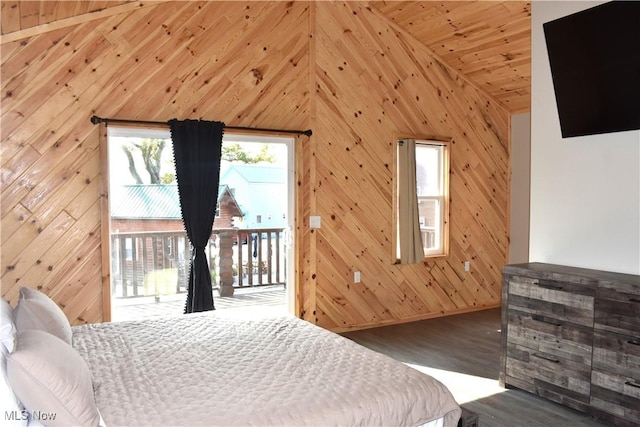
column 619, row 354
column 551, row 336
column 618, row 310
column 564, row 301
column 544, row 372
column 616, row 394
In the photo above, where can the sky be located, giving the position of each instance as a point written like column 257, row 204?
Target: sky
column 119, row 168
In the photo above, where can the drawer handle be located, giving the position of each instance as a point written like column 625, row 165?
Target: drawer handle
column 550, row 286
column 543, row 320
column 636, row 385
column 549, row 359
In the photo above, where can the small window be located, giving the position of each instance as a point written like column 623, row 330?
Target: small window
column 422, row 171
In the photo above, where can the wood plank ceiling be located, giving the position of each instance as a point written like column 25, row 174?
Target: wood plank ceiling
column 487, row 41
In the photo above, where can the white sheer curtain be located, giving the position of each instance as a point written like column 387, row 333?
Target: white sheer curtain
column 409, row 236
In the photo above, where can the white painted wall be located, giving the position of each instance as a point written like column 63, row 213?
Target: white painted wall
column 520, row 182
column 585, row 191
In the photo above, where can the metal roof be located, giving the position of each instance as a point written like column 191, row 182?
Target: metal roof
column 146, row 201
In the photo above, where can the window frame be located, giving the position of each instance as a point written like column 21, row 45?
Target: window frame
column 291, row 237
column 441, row 229
column 443, row 197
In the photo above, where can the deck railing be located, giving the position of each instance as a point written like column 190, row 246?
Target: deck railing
column 157, row 263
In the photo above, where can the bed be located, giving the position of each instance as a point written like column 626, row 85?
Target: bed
column 217, row 369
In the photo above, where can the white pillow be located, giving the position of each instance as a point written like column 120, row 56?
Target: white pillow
column 11, row 409
column 50, row 377
column 36, row 310
column 7, row 328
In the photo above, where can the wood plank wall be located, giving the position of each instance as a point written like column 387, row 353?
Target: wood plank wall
column 373, row 81
column 243, row 63
column 24, row 15
column 338, row 68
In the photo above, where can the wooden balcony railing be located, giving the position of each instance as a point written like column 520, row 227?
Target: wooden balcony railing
column 157, row 263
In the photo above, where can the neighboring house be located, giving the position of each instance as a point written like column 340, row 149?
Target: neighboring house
column 262, row 193
column 156, row 207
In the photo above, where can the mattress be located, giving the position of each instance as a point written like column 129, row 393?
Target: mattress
column 211, row 369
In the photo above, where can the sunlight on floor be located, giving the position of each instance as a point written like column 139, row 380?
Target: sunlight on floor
column 465, row 388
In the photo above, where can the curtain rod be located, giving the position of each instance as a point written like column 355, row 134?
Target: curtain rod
column 96, row 120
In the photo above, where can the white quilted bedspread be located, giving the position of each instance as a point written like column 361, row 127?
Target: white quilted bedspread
column 207, row 369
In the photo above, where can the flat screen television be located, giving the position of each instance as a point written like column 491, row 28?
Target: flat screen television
column 595, row 65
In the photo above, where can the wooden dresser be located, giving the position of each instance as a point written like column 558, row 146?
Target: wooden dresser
column 572, row 335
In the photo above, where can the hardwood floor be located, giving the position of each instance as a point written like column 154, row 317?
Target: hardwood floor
column 463, row 352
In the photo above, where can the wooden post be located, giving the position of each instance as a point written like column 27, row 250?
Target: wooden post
column 225, row 264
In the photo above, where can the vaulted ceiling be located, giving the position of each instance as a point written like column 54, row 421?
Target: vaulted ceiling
column 489, row 42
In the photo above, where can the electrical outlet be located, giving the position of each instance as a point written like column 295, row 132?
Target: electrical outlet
column 314, row 221
column 356, row 277
column 467, row 265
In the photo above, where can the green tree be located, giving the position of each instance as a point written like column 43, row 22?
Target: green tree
column 151, row 151
column 235, row 153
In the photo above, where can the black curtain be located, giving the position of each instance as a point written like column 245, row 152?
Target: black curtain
column 197, row 148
